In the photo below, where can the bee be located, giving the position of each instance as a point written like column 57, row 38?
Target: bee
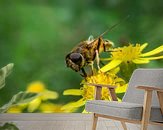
column 86, row 52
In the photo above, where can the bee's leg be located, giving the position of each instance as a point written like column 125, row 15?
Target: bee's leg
column 110, row 51
column 84, row 73
column 98, row 60
column 91, row 65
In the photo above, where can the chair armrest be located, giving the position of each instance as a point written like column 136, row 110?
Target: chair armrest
column 111, row 90
column 150, row 88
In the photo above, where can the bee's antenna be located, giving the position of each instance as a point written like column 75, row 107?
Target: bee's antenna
column 115, row 25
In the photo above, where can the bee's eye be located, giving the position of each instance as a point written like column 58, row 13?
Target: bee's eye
column 76, row 57
column 106, row 40
column 109, row 43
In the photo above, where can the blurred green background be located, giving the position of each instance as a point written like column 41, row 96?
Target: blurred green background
column 36, row 36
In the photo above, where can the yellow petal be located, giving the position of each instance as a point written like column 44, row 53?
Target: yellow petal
column 112, row 64
column 71, row 105
column 119, row 100
column 33, row 105
column 70, row 110
column 49, row 95
column 105, row 59
column 153, row 52
column 143, row 46
column 115, row 70
column 141, row 61
column 76, row 92
column 121, row 89
column 153, row 58
column 50, row 108
column 118, row 80
column 146, row 59
column 85, row 112
column 14, row 109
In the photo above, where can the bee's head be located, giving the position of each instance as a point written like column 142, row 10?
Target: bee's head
column 75, row 61
column 108, row 44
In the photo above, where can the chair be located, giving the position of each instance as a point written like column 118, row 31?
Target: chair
column 141, row 104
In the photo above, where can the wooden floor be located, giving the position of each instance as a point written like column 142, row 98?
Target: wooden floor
column 73, row 121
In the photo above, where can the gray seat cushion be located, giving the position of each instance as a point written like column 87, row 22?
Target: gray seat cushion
column 125, row 110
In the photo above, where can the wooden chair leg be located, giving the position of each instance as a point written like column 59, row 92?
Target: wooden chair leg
column 95, row 119
column 146, row 109
column 160, row 98
column 124, row 125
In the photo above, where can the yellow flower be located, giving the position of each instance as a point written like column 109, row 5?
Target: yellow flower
column 87, row 92
column 44, row 94
column 131, row 54
column 36, row 87
column 53, row 108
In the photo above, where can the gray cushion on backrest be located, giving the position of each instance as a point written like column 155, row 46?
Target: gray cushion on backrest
column 140, row 77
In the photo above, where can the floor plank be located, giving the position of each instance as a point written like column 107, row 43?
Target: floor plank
column 72, row 121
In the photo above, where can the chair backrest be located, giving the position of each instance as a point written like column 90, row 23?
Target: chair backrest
column 147, row 77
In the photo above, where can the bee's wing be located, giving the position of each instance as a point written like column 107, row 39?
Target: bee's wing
column 90, row 38
column 93, row 44
column 79, row 46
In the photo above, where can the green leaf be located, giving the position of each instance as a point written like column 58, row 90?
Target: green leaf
column 126, row 70
column 20, row 98
column 8, row 126
column 4, row 72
